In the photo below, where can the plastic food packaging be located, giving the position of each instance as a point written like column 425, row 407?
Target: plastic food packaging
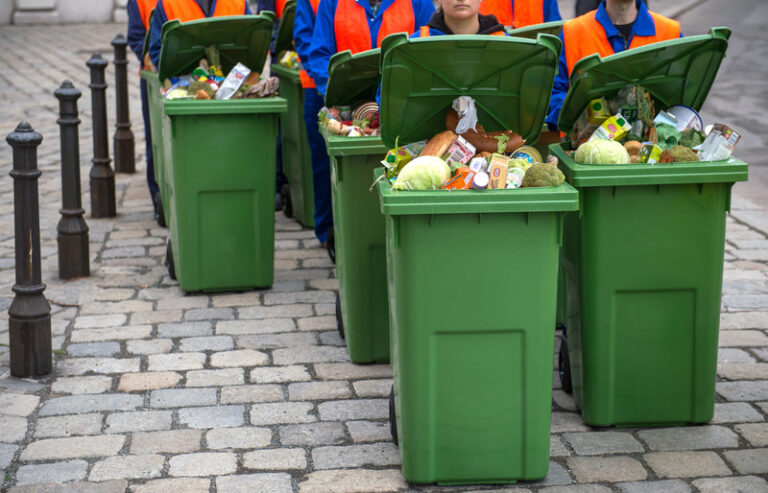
column 515, row 177
column 686, row 117
column 719, row 143
column 497, row 171
column 461, row 181
column 460, row 153
column 614, row 128
column 232, row 83
column 528, row 153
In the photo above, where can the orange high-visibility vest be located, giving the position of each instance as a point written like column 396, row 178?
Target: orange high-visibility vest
column 584, row 36
column 424, row 32
column 189, row 10
column 525, row 13
column 145, row 9
column 351, row 24
column 280, row 6
column 306, row 81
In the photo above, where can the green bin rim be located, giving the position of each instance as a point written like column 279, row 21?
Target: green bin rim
column 239, row 38
column 554, row 28
column 196, row 107
column 678, row 71
column 419, row 85
column 285, row 27
column 352, row 78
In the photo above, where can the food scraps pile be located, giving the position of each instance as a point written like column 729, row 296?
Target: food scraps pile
column 628, row 129
column 208, row 82
column 465, row 157
column 362, row 121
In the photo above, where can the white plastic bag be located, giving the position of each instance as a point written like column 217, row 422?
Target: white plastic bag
column 465, row 108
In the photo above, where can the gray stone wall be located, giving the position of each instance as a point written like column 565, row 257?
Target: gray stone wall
column 61, row 11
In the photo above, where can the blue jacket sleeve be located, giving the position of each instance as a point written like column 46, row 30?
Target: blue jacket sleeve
column 551, row 11
column 323, row 45
column 136, row 29
column 303, row 24
column 559, row 90
column 423, row 10
column 156, row 31
column 247, row 9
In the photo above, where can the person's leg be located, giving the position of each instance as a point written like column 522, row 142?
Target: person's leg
column 321, row 168
column 154, row 190
column 280, row 178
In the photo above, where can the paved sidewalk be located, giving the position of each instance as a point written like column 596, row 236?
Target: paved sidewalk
column 156, row 391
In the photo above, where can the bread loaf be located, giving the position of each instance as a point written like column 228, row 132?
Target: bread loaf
column 439, row 144
column 484, row 141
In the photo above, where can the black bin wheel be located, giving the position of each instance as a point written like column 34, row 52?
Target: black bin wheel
column 392, row 416
column 169, row 260
column 339, row 319
column 287, row 203
column 331, row 245
column 564, row 367
column 159, row 211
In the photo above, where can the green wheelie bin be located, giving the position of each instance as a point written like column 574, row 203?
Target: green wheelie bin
column 358, row 226
column 643, row 258
column 220, row 161
column 471, row 274
column 554, row 28
column 298, row 194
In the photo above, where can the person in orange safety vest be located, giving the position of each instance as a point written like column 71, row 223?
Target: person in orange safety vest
column 460, row 17
column 616, row 26
column 521, row 13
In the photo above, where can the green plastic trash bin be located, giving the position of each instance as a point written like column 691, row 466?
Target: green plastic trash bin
column 220, row 161
column 358, row 226
column 643, row 259
column 472, row 274
column 554, row 28
column 298, row 196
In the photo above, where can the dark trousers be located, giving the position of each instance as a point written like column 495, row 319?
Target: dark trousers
column 321, row 166
column 151, row 183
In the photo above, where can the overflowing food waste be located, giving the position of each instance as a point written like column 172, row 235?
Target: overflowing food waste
column 362, row 120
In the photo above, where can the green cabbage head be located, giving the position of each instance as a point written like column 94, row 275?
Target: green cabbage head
column 423, row 173
column 600, row 151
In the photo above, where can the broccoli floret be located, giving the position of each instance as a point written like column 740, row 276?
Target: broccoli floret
column 682, row 154
column 543, row 175
column 198, row 85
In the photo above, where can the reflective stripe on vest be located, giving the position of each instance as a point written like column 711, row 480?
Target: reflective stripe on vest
column 145, row 9
column 351, row 29
column 189, row 10
column 584, row 36
column 424, row 32
column 526, row 12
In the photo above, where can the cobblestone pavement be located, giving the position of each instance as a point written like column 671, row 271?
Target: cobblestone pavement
column 155, row 390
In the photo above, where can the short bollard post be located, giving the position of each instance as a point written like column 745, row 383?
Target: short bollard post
column 102, row 177
column 73, row 232
column 30, row 314
column 125, row 153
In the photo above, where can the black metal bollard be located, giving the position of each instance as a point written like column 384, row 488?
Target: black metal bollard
column 102, row 177
column 125, row 153
column 73, row 232
column 30, row 314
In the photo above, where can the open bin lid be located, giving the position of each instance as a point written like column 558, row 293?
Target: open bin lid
column 241, row 38
column 531, row 32
column 679, row 71
column 145, row 46
column 285, row 28
column 509, row 78
column 352, row 78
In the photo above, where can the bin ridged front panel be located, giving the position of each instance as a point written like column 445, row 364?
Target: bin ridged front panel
column 155, row 102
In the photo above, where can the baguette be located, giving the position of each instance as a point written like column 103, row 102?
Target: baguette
column 439, row 144
column 484, row 141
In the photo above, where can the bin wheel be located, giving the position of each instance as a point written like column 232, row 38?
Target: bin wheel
column 169, row 260
column 339, row 320
column 392, row 416
column 287, row 203
column 564, row 367
column 330, row 245
column 159, row 211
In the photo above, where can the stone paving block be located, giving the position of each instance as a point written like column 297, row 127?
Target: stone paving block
column 65, row 426
column 140, row 382
column 743, row 484
column 336, row 457
column 299, row 297
column 18, row 404
column 178, row 485
column 182, row 397
column 762, row 353
column 73, row 448
column 282, row 413
column 373, row 388
column 251, row 393
column 354, row 409
column 100, row 321
column 138, row 421
column 154, row 317
column 187, row 329
column 117, row 486
column 56, row 472
column 606, row 469
column 278, row 311
column 318, row 323
column 203, row 464
column 176, row 361
column 745, row 320
column 7, row 452
column 354, row 481
column 331, row 338
column 312, row 391
column 749, row 461
column 279, row 374
column 743, row 390
column 689, row 438
column 248, row 483
column 369, row 431
column 183, row 302
column 733, row 355
column 78, row 404
column 241, row 357
column 562, row 422
column 318, row 354
column 735, row 412
column 150, row 346
column 577, row 488
column 209, row 343
column 209, row 314
column 743, row 338
column 212, row 417
column 94, row 349
column 128, row 467
column 756, row 434
column 663, row 486
column 235, row 300
column 166, row 442
column 564, row 400
column 81, row 366
column 312, row 434
column 275, row 459
column 274, row 341
column 81, row 385
column 603, row 442
column 686, row 464
column 235, row 438
column 259, row 326
column 557, row 447
column 215, row 378
column 12, row 428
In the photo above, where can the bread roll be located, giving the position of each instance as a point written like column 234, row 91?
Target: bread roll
column 439, row 144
